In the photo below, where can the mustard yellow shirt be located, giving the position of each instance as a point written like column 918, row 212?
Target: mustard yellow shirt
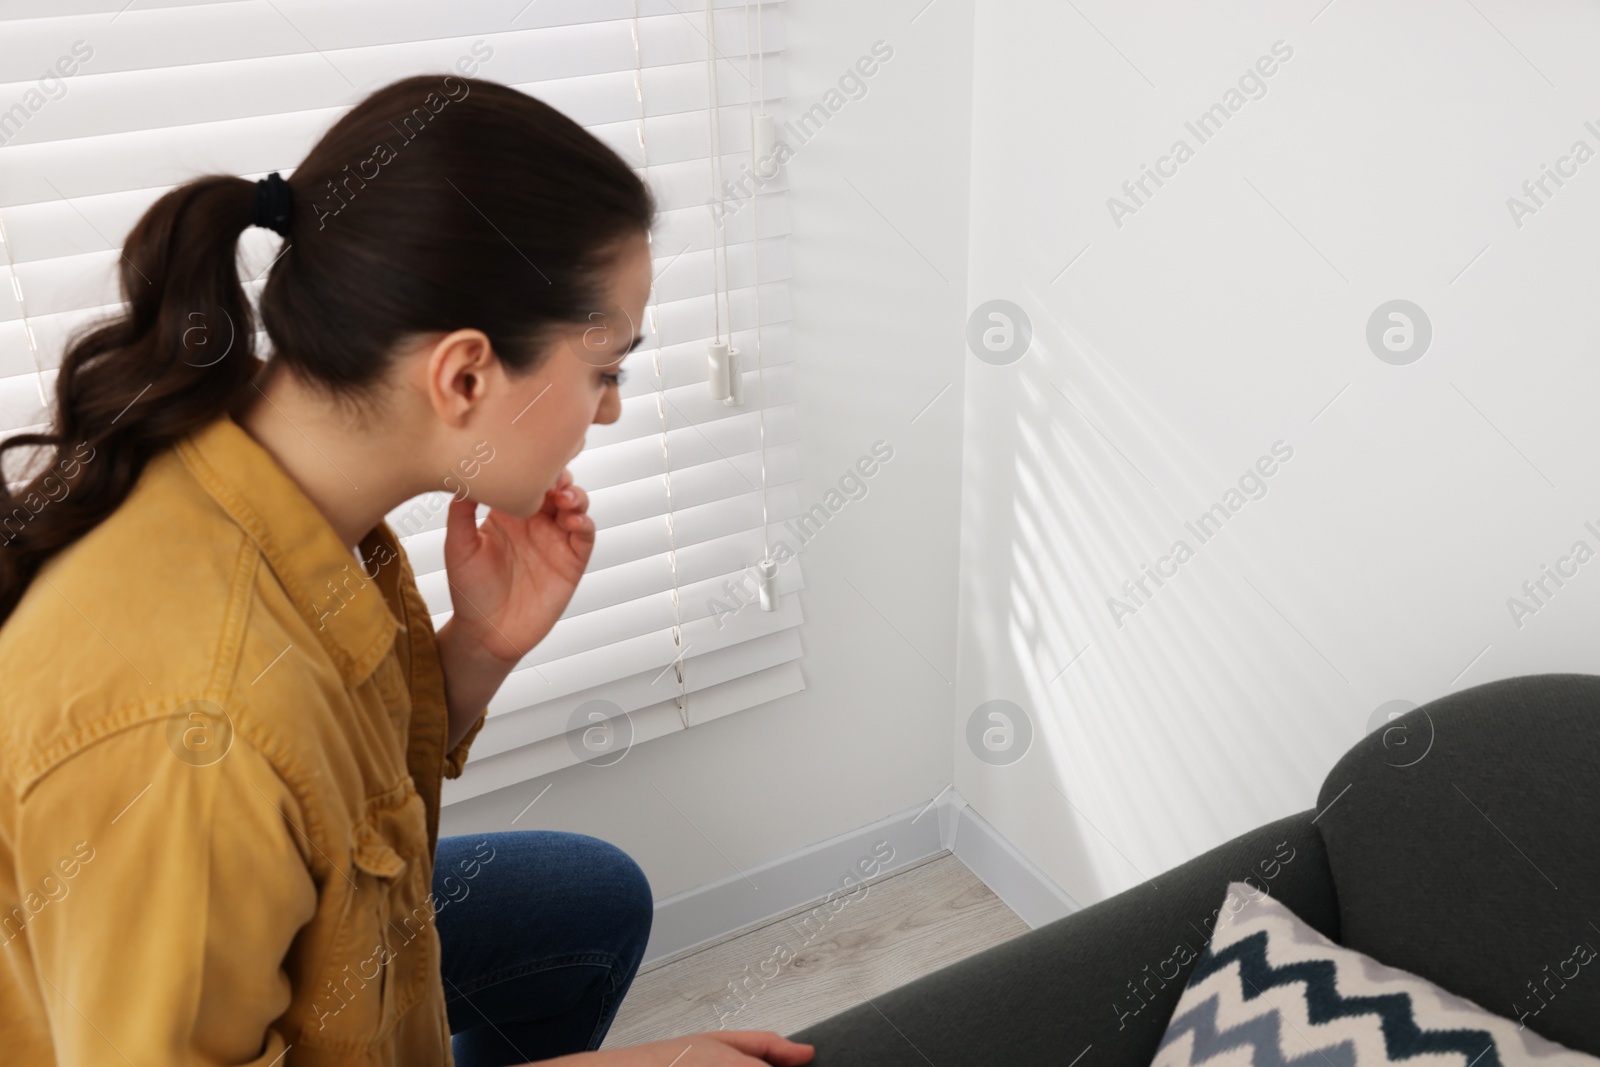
column 221, row 745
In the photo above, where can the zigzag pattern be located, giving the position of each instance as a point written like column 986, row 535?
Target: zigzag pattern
column 1401, row 1036
column 1263, row 1033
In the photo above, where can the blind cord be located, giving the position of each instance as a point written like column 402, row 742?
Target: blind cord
column 45, row 401
column 721, row 231
column 22, row 309
column 755, row 251
column 682, row 699
column 713, row 146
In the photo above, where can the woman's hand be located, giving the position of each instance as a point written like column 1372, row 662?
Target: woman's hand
column 510, row 579
column 714, row 1048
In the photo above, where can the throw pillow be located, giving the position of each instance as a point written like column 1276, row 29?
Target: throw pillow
column 1271, row 990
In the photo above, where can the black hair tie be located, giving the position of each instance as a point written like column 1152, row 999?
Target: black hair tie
column 273, row 202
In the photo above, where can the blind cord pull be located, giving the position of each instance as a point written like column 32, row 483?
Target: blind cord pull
column 767, row 578
column 727, row 383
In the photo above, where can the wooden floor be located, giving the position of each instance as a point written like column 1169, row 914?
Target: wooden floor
column 798, row 969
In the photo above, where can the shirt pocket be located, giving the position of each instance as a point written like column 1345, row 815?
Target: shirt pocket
column 386, row 947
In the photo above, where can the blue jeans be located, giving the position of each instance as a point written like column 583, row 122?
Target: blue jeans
column 541, row 932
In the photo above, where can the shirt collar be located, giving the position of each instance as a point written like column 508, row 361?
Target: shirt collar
column 346, row 605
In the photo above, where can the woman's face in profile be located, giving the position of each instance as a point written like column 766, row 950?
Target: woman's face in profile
column 550, row 410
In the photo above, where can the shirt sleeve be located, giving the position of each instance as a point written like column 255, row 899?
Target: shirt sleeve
column 456, row 759
column 167, row 943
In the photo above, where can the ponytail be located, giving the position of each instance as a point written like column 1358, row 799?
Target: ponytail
column 179, row 355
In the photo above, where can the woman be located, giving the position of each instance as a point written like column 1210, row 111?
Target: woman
column 225, row 711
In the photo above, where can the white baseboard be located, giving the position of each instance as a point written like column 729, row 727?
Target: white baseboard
column 1011, row 876
column 697, row 918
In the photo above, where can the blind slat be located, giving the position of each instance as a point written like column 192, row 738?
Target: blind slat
column 508, row 730
column 658, row 720
column 154, row 35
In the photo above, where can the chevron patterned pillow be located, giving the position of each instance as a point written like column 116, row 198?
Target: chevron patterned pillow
column 1270, row 991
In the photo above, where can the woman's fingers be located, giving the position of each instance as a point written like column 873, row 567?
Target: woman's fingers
column 567, row 504
column 712, row 1048
column 767, row 1045
column 565, row 496
column 574, row 498
column 461, row 525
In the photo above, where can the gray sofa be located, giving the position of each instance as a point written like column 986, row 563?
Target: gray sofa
column 1461, row 843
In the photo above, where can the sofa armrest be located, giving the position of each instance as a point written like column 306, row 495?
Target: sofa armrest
column 1104, row 979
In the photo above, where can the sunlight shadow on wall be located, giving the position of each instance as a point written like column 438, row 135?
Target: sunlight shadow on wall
column 1198, row 715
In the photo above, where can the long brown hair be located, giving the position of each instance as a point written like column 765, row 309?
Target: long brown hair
column 437, row 203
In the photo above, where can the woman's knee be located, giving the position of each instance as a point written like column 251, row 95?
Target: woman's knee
column 558, row 879
column 615, row 875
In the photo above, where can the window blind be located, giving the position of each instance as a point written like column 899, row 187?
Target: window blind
column 685, row 489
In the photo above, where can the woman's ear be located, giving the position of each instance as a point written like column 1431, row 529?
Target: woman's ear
column 457, row 372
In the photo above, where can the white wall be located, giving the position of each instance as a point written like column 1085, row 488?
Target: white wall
column 877, row 332
column 1225, row 315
